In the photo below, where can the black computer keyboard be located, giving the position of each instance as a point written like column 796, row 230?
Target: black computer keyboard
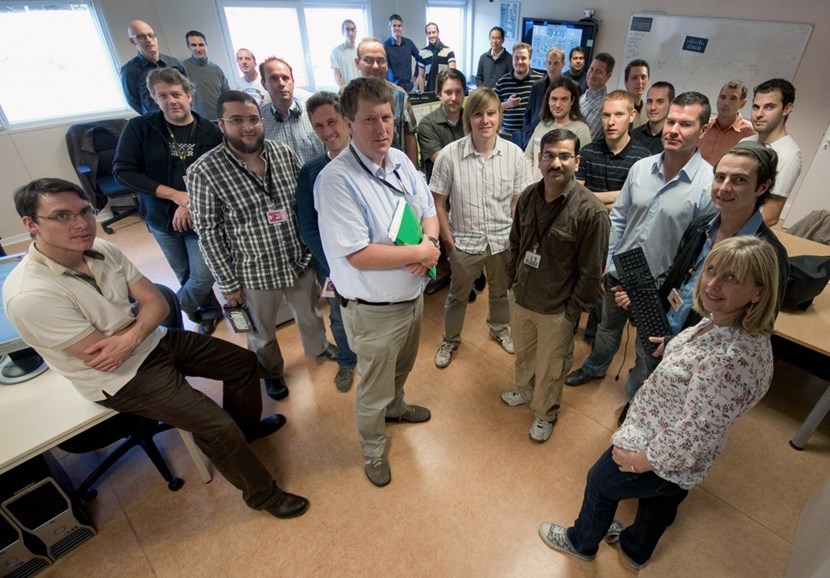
column 646, row 307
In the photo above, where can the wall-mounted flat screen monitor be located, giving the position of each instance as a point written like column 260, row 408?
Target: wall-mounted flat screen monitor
column 543, row 34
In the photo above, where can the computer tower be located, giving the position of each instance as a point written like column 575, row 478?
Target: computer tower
column 44, row 510
column 16, row 559
column 35, row 496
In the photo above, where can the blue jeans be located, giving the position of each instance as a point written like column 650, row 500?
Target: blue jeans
column 346, row 358
column 606, row 486
column 609, row 334
column 644, row 365
column 185, row 258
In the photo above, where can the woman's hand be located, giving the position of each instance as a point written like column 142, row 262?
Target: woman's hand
column 630, row 461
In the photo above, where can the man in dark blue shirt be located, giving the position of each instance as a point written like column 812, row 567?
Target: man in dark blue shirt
column 328, row 123
column 399, row 52
column 135, row 71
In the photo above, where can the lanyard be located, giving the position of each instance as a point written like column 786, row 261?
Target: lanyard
column 264, row 184
column 386, row 183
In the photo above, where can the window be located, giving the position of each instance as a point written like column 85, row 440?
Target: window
column 305, row 39
column 256, row 29
column 451, row 19
column 55, row 63
column 323, row 24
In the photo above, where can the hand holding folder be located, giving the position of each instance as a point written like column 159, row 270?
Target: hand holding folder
column 405, row 228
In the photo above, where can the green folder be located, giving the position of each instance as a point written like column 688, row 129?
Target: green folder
column 406, row 229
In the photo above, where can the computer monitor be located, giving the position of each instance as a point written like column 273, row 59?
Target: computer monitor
column 544, row 33
column 19, row 362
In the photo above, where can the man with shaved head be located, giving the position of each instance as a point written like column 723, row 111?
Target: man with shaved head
column 249, row 81
column 135, row 71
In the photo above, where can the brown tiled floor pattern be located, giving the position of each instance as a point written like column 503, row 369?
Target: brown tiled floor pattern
column 468, row 489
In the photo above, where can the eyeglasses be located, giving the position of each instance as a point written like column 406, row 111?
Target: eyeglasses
column 563, row 157
column 372, row 61
column 240, row 120
column 67, row 218
column 144, row 37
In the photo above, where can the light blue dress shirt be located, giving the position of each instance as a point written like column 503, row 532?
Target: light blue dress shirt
column 355, row 209
column 653, row 214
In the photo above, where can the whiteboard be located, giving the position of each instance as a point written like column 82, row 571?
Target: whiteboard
column 702, row 54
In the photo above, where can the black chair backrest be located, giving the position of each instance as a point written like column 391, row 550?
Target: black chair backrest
column 174, row 317
column 104, row 143
column 82, row 153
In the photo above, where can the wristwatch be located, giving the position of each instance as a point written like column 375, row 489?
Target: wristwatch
column 434, row 241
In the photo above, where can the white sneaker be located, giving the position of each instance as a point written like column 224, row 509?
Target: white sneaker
column 444, row 354
column 513, row 398
column 540, row 430
column 504, row 339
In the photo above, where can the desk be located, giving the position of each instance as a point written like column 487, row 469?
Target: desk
column 38, row 414
column 809, row 328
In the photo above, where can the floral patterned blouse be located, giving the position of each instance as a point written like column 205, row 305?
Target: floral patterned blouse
column 702, row 386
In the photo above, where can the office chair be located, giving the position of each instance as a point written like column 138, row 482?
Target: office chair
column 91, row 148
column 134, row 429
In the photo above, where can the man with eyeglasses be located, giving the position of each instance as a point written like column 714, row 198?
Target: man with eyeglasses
column 152, row 156
column 285, row 118
column 380, row 284
column 343, row 55
column 71, row 298
column 135, row 71
column 481, row 177
column 494, row 63
column 244, row 208
column 372, row 62
column 558, row 244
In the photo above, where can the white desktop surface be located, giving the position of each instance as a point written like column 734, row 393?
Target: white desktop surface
column 38, row 414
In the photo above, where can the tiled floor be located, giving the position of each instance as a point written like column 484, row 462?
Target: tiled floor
column 469, row 488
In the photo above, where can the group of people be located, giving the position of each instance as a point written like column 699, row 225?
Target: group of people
column 281, row 197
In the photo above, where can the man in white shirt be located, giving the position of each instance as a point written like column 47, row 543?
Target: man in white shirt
column 380, row 284
column 343, row 55
column 249, row 81
column 482, row 176
column 772, row 104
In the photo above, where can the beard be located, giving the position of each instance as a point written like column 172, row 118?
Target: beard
column 239, row 144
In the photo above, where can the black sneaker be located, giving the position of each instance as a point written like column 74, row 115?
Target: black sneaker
column 276, row 388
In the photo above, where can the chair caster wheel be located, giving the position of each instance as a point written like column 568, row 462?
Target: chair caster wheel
column 88, row 495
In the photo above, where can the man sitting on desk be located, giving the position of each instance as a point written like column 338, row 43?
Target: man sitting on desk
column 69, row 298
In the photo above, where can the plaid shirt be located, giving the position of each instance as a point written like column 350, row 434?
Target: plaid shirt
column 230, row 206
column 294, row 129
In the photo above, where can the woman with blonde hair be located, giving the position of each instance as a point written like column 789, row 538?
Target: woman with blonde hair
column 711, row 374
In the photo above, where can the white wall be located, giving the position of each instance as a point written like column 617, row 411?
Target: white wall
column 29, row 154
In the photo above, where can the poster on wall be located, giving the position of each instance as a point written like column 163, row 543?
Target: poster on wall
column 509, row 19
